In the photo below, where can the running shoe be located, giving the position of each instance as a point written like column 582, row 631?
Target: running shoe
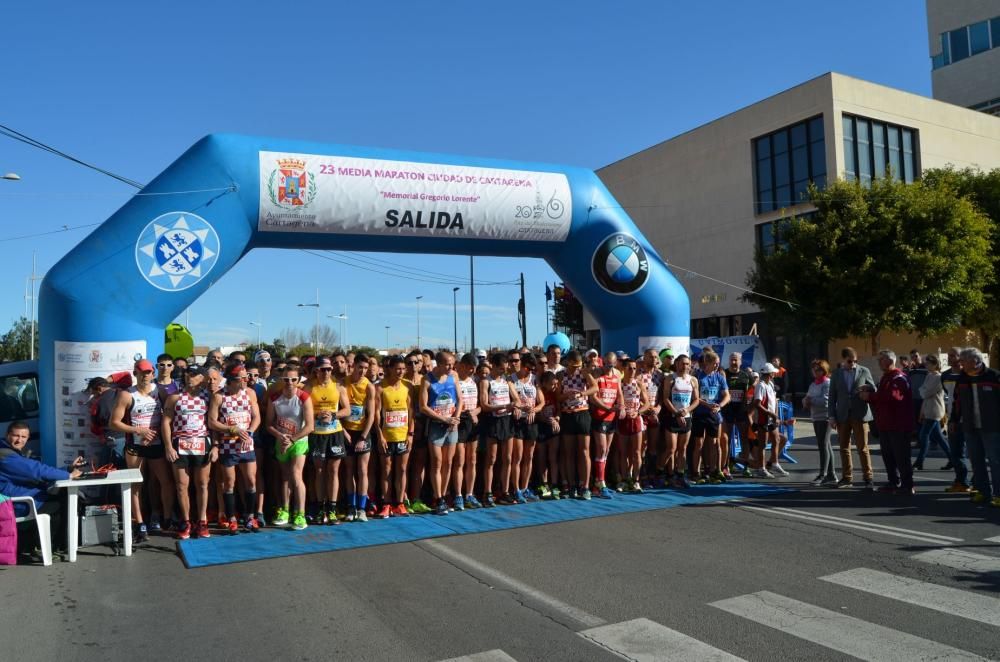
column 844, row 483
column 605, row 493
column 762, row 473
column 636, row 488
column 418, row 507
column 519, row 497
column 530, row 495
column 299, row 522
column 458, row 503
column 957, row 487
column 184, row 532
column 399, row 510
column 223, row 522
column 622, row 486
column 505, row 500
column 441, row 508
column 361, row 515
column 978, row 497
column 280, row 518
column 489, row 501
column 261, row 522
column 699, row 480
column 202, row 530
column 682, row 481
column 995, row 502
column 869, row 485
column 142, row 533
column 777, row 470
column 906, row 491
column 155, row 526
column 584, row 494
column 232, row 526
column 384, row 512
column 747, row 472
column 472, row 502
column 252, row 525
column 554, row 494
column 817, row 481
column 716, row 478
column 351, row 514
column 726, row 476
column 545, row 492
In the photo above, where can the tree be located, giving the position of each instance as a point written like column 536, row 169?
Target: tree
column 892, row 256
column 15, row 345
column 983, row 190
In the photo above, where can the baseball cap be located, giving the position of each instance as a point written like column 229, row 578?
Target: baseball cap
column 235, row 371
column 143, row 365
column 481, row 353
column 261, row 355
column 195, row 369
column 592, row 352
column 768, row 369
column 97, row 382
column 323, row 362
column 621, row 354
column 667, row 353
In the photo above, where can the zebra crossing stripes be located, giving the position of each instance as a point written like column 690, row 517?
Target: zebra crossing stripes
column 964, row 604
column 960, row 560
column 643, row 640
column 839, row 632
column 495, row 655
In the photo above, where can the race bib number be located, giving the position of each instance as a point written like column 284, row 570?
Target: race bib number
column 608, row 395
column 736, row 396
column 287, row 426
column 357, row 413
column 331, row 425
column 396, row 419
column 191, row 446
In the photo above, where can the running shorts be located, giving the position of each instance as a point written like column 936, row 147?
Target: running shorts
column 358, row 443
column 467, row 430
column 298, row 449
column 440, row 434
column 735, row 412
column 525, row 431
column 705, row 425
column 327, row 446
column 394, row 448
column 192, row 461
column 155, row 452
column 575, row 423
column 499, row 428
column 628, row 425
column 232, row 459
column 602, row 427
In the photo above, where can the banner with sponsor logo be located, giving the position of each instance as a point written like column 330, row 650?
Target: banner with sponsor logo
column 76, row 363
column 750, row 347
column 347, row 195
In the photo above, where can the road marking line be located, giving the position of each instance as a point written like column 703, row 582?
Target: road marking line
column 495, row 655
column 945, row 599
column 993, row 539
column 643, row 640
column 870, row 528
column 839, row 632
column 960, row 560
column 870, row 524
column 439, row 549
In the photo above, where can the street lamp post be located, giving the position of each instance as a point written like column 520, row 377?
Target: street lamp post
column 31, row 279
column 454, row 315
column 316, row 328
column 343, row 335
column 386, row 340
column 11, row 176
column 258, row 325
column 418, row 321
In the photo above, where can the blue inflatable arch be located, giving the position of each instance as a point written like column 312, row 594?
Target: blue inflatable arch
column 228, row 194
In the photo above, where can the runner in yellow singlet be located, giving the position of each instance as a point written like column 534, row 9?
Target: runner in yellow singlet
column 395, row 415
column 327, row 441
column 359, row 424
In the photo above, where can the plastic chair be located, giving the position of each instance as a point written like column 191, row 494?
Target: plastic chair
column 42, row 521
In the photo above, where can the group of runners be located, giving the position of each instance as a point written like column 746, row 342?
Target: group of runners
column 344, row 437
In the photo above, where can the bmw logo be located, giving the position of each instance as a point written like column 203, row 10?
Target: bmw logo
column 620, row 264
column 176, row 250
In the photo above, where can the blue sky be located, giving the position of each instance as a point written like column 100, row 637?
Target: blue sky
column 129, row 86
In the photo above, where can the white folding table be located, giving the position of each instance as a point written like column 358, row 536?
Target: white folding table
column 123, row 477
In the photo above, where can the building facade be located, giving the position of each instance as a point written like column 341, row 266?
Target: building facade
column 707, row 197
column 964, row 41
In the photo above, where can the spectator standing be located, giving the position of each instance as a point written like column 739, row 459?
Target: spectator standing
column 817, row 401
column 956, row 436
column 931, row 411
column 977, row 412
column 917, row 374
column 850, row 412
column 893, row 404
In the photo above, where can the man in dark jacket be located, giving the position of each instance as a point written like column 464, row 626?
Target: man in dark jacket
column 21, row 475
column 893, row 405
column 977, row 412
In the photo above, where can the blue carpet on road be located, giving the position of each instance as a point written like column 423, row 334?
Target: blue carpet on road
column 273, row 543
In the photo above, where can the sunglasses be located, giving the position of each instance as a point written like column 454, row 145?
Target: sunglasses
column 164, row 365
column 263, row 360
column 234, row 379
column 253, row 375
column 324, row 369
column 515, row 360
column 415, row 362
column 290, row 380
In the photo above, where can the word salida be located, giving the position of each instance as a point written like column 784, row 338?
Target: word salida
column 435, row 220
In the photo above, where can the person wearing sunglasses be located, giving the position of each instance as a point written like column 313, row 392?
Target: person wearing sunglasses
column 290, row 419
column 166, row 386
column 417, row 466
column 235, row 415
column 441, row 405
column 328, row 442
column 262, row 359
column 678, row 399
column 189, row 449
column 358, row 424
column 138, row 412
column 394, row 411
column 525, row 427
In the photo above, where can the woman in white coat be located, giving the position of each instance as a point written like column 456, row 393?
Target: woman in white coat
column 931, row 412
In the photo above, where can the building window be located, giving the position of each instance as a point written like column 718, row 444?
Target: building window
column 785, row 161
column 967, row 41
column 769, row 234
column 878, row 149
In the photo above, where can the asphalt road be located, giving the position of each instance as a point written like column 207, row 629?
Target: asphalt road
column 773, row 578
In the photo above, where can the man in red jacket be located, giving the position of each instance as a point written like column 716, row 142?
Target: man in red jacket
column 892, row 403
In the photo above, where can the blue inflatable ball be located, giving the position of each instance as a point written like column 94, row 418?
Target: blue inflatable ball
column 557, row 339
